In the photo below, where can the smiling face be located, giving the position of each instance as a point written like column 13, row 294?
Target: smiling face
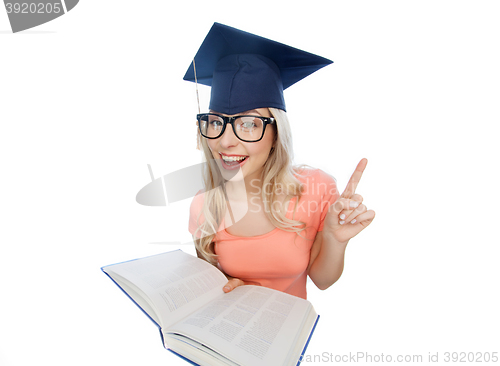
column 250, row 157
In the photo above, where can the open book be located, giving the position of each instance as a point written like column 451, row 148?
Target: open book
column 182, row 295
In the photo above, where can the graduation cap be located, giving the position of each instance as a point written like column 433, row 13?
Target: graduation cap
column 247, row 71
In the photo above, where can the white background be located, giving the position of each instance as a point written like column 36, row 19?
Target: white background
column 87, row 100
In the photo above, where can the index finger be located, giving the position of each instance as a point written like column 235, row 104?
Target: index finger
column 355, row 178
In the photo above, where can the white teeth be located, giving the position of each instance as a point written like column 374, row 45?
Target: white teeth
column 233, row 158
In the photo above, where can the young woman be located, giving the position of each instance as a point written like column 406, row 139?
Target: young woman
column 290, row 221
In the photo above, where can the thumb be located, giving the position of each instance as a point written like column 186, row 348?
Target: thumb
column 232, row 284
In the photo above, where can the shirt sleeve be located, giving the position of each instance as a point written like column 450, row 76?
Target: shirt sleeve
column 329, row 195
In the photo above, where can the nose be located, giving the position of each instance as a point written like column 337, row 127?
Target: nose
column 228, row 138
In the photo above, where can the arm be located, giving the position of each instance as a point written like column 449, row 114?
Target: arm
column 327, row 260
column 346, row 218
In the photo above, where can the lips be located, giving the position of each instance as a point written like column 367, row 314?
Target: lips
column 231, row 162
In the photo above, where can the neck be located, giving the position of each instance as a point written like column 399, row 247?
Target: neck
column 240, row 189
column 236, row 190
column 253, row 183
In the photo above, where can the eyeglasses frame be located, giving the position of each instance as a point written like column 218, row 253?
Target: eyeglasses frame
column 230, row 120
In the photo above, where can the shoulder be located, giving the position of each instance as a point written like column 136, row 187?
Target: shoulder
column 316, row 180
column 307, row 171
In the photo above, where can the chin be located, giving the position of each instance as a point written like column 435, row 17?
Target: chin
column 232, row 175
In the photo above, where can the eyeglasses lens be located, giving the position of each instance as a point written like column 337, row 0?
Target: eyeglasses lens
column 249, row 128
column 246, row 128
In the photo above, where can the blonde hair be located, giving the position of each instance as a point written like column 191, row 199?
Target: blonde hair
column 278, row 175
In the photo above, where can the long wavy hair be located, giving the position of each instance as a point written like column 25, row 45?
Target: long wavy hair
column 278, row 175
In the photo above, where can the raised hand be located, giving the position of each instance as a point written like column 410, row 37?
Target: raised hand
column 348, row 216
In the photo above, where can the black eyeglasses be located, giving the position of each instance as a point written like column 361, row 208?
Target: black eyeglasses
column 246, row 128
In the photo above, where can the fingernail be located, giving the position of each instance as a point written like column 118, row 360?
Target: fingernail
column 341, row 222
column 353, row 221
column 342, row 217
column 227, row 288
column 354, row 204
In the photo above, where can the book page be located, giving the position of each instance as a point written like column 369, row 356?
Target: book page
column 176, row 283
column 249, row 325
column 197, row 353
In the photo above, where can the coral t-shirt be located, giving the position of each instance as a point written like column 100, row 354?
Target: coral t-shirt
column 277, row 259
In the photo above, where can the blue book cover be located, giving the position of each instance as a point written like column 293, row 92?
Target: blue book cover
column 182, row 295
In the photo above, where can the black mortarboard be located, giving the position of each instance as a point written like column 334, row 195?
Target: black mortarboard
column 246, row 71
